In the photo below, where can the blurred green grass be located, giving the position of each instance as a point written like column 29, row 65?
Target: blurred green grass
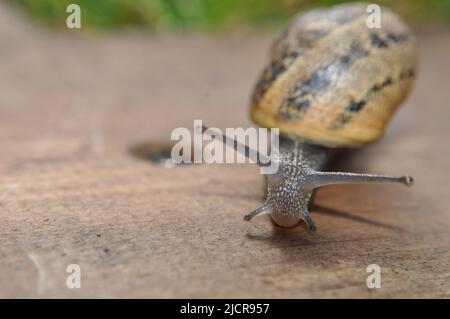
column 206, row 15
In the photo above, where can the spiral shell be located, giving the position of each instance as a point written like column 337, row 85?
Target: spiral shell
column 334, row 81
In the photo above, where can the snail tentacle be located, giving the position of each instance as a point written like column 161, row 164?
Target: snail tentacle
column 318, row 179
column 262, row 209
column 262, row 160
column 309, row 221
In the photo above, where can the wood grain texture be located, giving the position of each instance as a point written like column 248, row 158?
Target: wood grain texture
column 70, row 192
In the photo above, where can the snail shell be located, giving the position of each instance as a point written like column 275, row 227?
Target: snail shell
column 334, row 81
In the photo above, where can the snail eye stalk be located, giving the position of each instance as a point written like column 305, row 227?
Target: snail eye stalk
column 318, row 179
column 262, row 160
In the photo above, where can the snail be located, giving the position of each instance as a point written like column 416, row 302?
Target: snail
column 332, row 82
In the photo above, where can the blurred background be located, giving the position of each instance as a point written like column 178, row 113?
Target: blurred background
column 208, row 15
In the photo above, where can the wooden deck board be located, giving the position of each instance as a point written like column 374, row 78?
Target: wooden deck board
column 71, row 192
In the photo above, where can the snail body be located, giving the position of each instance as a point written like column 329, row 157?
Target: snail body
column 332, row 82
column 289, row 191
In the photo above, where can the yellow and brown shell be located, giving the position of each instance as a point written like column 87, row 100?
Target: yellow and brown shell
column 334, row 81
